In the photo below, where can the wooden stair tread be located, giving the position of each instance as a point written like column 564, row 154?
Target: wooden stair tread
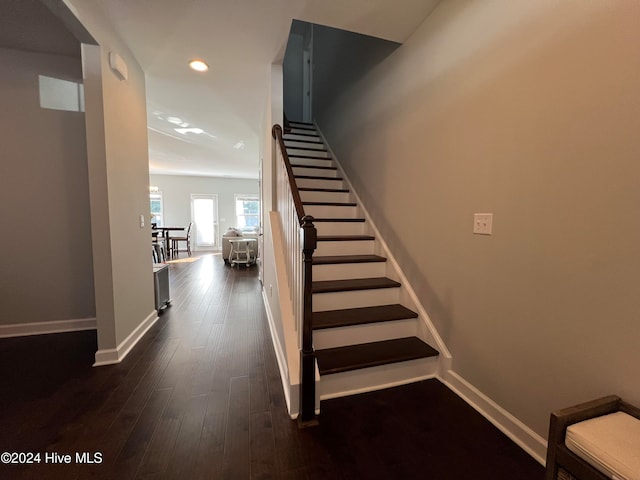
column 337, row 259
column 354, row 220
column 313, row 142
column 353, row 357
column 361, row 316
column 311, row 189
column 344, row 238
column 308, row 149
column 312, row 157
column 297, row 165
column 351, row 284
column 313, row 177
column 332, row 204
column 302, row 134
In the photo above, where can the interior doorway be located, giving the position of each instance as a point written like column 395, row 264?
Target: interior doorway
column 307, row 85
column 204, row 215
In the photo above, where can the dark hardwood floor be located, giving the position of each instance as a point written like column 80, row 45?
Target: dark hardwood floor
column 200, row 398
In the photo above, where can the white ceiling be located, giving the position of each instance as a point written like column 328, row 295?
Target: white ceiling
column 239, row 39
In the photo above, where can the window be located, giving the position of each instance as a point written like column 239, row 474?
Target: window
column 58, row 94
column 247, row 212
column 156, row 208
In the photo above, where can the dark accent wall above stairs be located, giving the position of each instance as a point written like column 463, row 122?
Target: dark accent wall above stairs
column 339, row 59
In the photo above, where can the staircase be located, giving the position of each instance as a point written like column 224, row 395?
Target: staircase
column 364, row 336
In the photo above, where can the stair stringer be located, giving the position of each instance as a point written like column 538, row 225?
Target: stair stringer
column 426, row 330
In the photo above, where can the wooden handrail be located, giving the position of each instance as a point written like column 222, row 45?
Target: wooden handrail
column 277, row 134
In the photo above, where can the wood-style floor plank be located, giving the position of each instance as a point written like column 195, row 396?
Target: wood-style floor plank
column 208, row 457
column 262, row 447
column 200, row 397
column 236, row 452
column 180, row 463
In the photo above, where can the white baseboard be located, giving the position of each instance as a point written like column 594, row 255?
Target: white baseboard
column 523, row 436
column 42, row 328
column 116, row 355
column 289, row 390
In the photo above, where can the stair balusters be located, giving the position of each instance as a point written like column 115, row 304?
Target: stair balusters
column 300, row 237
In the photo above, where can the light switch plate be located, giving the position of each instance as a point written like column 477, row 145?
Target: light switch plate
column 482, row 223
column 141, row 221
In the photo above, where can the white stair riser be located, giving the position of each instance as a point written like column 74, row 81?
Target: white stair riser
column 304, row 144
column 376, row 378
column 307, row 153
column 324, row 196
column 344, row 271
column 315, row 172
column 354, row 299
column 340, row 228
column 364, row 247
column 304, row 138
column 315, row 183
column 312, row 162
column 373, row 332
column 331, row 211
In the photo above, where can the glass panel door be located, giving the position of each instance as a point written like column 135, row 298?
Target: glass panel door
column 204, row 212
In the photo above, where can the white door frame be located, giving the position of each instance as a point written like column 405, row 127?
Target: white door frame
column 307, row 79
column 307, row 86
column 260, row 229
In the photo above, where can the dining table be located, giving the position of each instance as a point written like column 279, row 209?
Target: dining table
column 164, row 232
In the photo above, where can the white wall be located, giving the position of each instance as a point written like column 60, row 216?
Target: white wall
column 528, row 110
column 275, row 289
column 273, row 114
column 176, row 195
column 47, row 266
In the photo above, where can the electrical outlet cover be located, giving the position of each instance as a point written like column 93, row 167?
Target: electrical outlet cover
column 483, row 223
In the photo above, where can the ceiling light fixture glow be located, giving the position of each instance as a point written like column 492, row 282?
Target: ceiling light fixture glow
column 184, row 131
column 239, row 145
column 174, row 120
column 198, row 65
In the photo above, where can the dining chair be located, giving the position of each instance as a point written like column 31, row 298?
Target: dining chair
column 159, row 253
column 175, row 242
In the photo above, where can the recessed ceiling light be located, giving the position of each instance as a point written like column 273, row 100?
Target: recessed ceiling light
column 239, row 145
column 184, row 131
column 198, row 65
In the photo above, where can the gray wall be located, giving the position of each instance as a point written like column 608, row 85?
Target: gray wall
column 528, row 110
column 293, row 81
column 340, row 58
column 176, row 195
column 46, row 263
